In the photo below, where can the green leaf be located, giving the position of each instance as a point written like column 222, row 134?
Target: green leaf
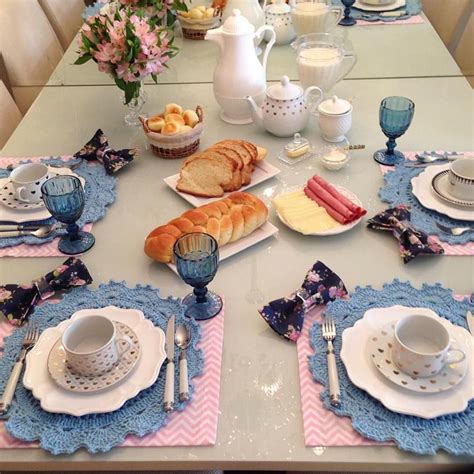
column 121, row 84
column 155, row 78
column 83, row 59
column 87, row 42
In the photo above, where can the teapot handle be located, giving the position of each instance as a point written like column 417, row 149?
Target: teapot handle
column 259, row 34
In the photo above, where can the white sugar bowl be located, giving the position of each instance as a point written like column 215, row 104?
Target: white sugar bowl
column 335, row 118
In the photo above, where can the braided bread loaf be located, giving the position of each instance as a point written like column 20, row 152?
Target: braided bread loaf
column 227, row 220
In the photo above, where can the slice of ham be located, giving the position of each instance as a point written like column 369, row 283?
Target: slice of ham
column 332, row 212
column 359, row 211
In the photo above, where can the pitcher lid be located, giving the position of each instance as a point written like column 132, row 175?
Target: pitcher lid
column 285, row 90
column 278, row 6
column 335, row 106
column 237, row 24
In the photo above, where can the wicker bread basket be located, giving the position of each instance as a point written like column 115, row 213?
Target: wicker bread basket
column 176, row 146
column 197, row 29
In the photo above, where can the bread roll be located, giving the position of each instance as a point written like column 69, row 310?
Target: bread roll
column 190, row 118
column 184, row 129
column 170, row 128
column 174, row 118
column 155, row 124
column 173, row 109
column 240, row 214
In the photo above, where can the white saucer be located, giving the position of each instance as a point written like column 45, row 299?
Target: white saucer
column 19, row 216
column 422, row 190
column 379, row 346
column 74, row 382
column 8, row 199
column 360, row 5
column 363, row 373
column 339, row 228
column 440, row 186
column 55, row 399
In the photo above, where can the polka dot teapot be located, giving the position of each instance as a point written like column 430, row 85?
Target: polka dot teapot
column 286, row 108
column 278, row 15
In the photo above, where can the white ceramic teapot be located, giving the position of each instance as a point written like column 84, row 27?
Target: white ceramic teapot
column 238, row 72
column 286, row 108
column 278, row 15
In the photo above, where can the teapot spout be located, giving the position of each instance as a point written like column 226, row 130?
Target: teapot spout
column 255, row 110
column 215, row 35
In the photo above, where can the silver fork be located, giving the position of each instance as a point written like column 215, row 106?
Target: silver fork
column 454, row 230
column 30, row 339
column 329, row 334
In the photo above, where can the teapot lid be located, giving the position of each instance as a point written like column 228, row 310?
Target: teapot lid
column 237, row 24
column 278, row 6
column 285, row 90
column 335, row 106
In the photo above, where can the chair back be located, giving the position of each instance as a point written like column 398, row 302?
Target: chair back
column 10, row 115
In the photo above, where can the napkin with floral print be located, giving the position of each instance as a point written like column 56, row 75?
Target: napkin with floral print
column 286, row 315
column 413, row 242
column 18, row 301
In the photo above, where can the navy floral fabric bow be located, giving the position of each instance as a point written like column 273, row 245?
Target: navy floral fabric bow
column 18, row 301
column 413, row 242
column 97, row 148
column 286, row 315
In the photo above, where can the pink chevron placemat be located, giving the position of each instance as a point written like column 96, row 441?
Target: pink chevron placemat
column 449, row 249
column 413, row 20
column 49, row 249
column 197, row 424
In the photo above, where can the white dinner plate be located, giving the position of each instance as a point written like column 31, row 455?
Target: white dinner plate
column 422, row 190
column 339, row 228
column 363, row 373
column 19, row 216
column 379, row 8
column 263, row 171
column 55, row 399
column 262, row 233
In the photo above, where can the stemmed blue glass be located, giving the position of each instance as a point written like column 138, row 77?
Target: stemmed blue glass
column 64, row 198
column 348, row 20
column 396, row 114
column 197, row 259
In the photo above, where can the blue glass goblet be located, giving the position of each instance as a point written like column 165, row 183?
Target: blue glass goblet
column 197, row 259
column 396, row 114
column 347, row 20
column 64, row 198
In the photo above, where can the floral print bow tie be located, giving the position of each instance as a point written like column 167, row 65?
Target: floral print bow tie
column 286, row 315
column 413, row 242
column 97, row 148
column 18, row 301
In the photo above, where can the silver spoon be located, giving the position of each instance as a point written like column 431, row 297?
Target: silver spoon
column 41, row 232
column 182, row 338
column 423, row 158
column 454, row 230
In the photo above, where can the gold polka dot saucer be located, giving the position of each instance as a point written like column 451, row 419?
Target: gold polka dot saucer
column 380, row 349
column 74, row 382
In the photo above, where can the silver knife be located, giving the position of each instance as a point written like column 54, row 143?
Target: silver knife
column 169, row 383
column 17, row 227
column 470, row 322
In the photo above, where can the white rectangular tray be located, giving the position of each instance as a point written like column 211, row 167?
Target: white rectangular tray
column 262, row 172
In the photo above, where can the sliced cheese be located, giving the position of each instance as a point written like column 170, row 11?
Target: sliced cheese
column 302, row 213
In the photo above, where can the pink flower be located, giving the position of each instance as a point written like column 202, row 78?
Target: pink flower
column 4, row 295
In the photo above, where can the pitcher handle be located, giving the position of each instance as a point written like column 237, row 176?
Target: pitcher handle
column 352, row 56
column 313, row 104
column 339, row 13
column 259, row 34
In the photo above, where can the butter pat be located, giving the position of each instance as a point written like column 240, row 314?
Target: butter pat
column 297, row 151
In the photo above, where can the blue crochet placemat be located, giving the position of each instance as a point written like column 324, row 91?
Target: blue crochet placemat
column 413, row 7
column 453, row 433
column 100, row 193
column 397, row 190
column 141, row 415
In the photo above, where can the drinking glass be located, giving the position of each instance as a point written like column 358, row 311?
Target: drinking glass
column 197, row 259
column 347, row 20
column 396, row 114
column 64, row 198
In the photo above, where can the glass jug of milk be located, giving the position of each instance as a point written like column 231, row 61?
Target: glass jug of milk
column 314, row 16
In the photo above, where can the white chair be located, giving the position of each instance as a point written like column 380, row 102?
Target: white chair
column 10, row 116
column 65, row 18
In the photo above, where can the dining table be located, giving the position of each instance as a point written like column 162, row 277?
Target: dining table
column 260, row 422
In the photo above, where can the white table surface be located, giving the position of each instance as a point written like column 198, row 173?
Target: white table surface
column 384, row 51
column 257, row 428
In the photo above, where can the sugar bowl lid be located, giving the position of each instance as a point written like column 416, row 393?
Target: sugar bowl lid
column 237, row 24
column 335, row 106
column 278, row 6
column 285, row 90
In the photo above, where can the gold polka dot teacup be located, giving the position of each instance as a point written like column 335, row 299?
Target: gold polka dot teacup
column 92, row 345
column 421, row 346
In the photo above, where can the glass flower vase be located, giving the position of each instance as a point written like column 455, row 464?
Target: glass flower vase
column 134, row 104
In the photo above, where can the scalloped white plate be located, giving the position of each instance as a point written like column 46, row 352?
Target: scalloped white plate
column 55, row 399
column 360, row 5
column 363, row 373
